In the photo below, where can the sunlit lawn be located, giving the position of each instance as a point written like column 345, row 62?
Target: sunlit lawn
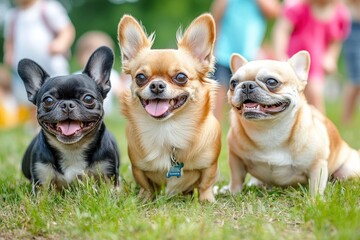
column 88, row 212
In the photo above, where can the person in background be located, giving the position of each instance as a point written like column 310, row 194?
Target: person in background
column 241, row 26
column 351, row 55
column 85, row 46
column 42, row 31
column 318, row 26
column 8, row 106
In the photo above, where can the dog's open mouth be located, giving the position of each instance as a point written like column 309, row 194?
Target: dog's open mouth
column 69, row 129
column 160, row 108
column 257, row 108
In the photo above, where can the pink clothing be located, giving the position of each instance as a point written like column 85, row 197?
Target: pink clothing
column 314, row 35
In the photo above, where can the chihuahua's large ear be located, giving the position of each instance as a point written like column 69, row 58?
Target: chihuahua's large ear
column 33, row 77
column 300, row 62
column 199, row 39
column 236, row 61
column 132, row 38
column 99, row 68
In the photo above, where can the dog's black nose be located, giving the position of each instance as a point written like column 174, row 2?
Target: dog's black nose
column 67, row 106
column 157, row 87
column 248, row 87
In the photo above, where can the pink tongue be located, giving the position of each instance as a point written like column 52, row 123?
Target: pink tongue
column 69, row 127
column 157, row 107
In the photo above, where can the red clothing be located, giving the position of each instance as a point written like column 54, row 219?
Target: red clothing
column 314, row 35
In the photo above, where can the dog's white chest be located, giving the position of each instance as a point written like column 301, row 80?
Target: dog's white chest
column 72, row 164
column 277, row 166
column 158, row 141
column 277, row 156
column 158, row 160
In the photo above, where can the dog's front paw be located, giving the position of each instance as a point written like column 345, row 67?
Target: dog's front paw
column 255, row 182
column 145, row 195
column 225, row 189
column 234, row 188
column 206, row 195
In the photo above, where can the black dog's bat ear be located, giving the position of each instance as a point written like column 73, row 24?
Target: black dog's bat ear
column 33, row 77
column 99, row 68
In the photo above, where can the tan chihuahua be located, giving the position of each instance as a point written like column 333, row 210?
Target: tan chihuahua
column 275, row 135
column 173, row 138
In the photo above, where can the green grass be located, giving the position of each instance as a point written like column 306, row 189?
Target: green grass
column 90, row 211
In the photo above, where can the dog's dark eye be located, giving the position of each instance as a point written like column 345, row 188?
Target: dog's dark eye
column 181, row 78
column 141, row 79
column 272, row 83
column 233, row 84
column 89, row 100
column 48, row 102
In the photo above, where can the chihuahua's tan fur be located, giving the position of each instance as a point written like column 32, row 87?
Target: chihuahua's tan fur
column 169, row 108
column 275, row 135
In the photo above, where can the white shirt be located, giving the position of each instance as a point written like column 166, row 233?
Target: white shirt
column 32, row 35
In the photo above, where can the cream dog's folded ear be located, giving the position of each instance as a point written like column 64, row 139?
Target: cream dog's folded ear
column 300, row 62
column 199, row 39
column 236, row 61
column 132, row 38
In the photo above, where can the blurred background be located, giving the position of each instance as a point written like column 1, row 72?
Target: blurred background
column 164, row 18
column 104, row 15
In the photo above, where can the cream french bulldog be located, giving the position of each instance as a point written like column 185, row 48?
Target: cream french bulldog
column 275, row 135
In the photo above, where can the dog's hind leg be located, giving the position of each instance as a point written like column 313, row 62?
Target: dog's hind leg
column 350, row 168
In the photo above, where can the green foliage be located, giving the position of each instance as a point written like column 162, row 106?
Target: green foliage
column 162, row 17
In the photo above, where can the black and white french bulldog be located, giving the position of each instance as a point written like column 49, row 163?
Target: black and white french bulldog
column 73, row 141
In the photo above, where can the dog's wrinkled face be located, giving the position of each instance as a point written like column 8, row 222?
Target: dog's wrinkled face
column 69, row 107
column 264, row 89
column 164, row 81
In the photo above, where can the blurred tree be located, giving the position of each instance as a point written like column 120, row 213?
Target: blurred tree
column 162, row 17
